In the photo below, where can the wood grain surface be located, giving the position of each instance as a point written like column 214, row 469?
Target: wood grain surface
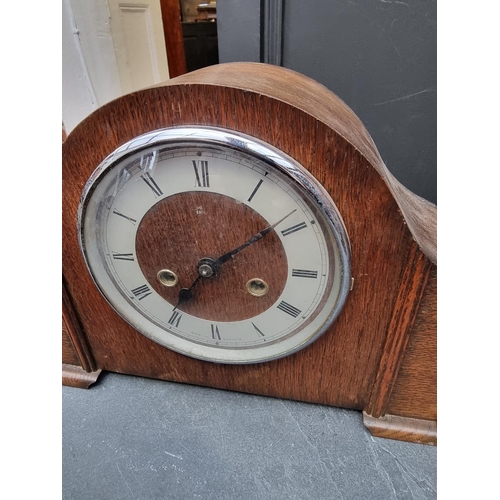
column 406, row 308
column 383, row 220
column 69, row 354
column 415, row 389
column 74, row 335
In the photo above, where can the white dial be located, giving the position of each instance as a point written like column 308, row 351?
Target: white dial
column 215, row 245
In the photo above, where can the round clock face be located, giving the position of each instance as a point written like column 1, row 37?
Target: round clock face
column 215, row 244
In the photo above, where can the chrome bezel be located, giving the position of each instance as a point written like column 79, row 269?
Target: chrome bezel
column 186, row 136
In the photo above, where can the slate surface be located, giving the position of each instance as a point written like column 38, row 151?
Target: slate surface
column 134, row 438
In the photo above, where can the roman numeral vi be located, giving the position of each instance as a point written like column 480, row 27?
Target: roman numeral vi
column 175, row 319
column 215, row 332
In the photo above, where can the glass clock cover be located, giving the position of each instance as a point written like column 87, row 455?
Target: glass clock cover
column 215, row 244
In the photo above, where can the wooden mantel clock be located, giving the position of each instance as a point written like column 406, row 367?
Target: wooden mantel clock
column 236, row 228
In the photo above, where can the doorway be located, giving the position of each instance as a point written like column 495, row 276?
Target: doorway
column 199, row 33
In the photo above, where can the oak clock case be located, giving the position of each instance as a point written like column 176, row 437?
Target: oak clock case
column 352, row 325
column 215, row 244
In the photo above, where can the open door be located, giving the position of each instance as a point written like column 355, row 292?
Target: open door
column 111, row 48
column 137, row 31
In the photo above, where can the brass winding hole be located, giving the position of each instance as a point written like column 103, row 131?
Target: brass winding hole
column 167, row 277
column 257, row 287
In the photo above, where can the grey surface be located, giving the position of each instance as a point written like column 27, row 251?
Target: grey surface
column 379, row 57
column 134, row 438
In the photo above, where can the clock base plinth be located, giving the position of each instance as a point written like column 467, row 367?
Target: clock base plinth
column 415, row 430
column 76, row 376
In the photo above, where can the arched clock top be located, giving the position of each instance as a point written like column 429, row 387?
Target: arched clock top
column 315, row 99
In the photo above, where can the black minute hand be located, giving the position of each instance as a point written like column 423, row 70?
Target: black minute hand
column 251, row 241
column 186, row 294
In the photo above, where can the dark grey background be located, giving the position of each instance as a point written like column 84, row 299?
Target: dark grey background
column 377, row 56
column 136, row 438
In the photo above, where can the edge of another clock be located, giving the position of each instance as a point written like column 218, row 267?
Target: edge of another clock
column 304, row 93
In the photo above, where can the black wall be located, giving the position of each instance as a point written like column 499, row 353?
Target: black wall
column 379, row 56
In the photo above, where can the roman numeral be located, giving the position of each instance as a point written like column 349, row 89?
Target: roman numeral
column 123, row 256
column 304, row 273
column 293, row 229
column 255, row 190
column 258, row 331
column 116, row 212
column 175, row 319
column 142, row 291
column 215, row 332
column 201, row 173
column 152, row 184
column 289, row 309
